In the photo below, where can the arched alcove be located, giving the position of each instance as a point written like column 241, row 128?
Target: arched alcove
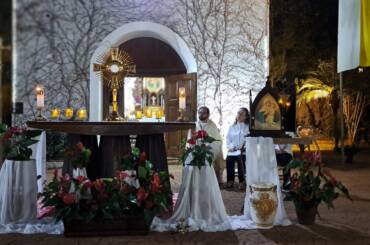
column 124, row 34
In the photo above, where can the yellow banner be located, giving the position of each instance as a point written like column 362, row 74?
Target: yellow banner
column 365, row 34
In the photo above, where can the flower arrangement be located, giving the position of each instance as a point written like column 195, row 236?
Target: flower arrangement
column 310, row 183
column 127, row 194
column 79, row 155
column 199, row 148
column 15, row 142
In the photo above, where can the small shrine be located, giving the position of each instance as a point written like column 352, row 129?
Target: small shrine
column 268, row 111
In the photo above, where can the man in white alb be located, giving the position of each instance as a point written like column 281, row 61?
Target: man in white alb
column 210, row 127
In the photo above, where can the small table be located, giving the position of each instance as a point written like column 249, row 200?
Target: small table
column 115, row 141
column 300, row 141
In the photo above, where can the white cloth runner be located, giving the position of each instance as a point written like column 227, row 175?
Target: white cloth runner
column 261, row 166
column 199, row 204
column 39, row 154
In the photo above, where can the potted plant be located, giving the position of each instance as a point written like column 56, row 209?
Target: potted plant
column 311, row 184
column 18, row 199
column 79, row 155
column 125, row 204
column 198, row 146
column 15, row 142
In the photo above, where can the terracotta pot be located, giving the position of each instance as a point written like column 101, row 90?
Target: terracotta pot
column 307, row 216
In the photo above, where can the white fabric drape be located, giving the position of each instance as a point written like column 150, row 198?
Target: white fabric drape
column 39, row 154
column 261, row 167
column 199, row 203
column 18, row 192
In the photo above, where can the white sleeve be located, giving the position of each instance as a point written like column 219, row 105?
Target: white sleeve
column 229, row 143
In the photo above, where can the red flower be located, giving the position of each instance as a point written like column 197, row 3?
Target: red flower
column 99, row 185
column 143, row 157
column 191, row 141
column 80, row 146
column 67, row 177
column 16, row 130
column 194, row 135
column 121, row 175
column 155, row 184
column 69, row 198
column 141, row 195
column 81, row 179
column 125, row 189
column 202, row 134
column 87, row 184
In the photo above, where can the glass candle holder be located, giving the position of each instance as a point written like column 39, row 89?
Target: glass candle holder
column 138, row 114
column 149, row 113
column 81, row 114
column 158, row 114
column 55, row 113
column 68, row 113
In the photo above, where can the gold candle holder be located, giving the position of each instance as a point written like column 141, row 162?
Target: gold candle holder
column 138, row 114
column 55, row 113
column 68, row 113
column 81, row 114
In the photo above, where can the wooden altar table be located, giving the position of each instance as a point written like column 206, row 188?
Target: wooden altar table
column 114, row 141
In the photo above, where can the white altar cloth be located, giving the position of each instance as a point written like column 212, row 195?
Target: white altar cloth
column 199, row 203
column 39, row 154
column 261, row 166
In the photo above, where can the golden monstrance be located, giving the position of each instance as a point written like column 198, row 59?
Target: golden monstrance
column 118, row 65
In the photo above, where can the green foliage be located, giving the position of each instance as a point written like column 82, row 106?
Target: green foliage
column 55, row 145
column 198, row 149
column 79, row 155
column 310, row 184
column 126, row 194
column 15, row 142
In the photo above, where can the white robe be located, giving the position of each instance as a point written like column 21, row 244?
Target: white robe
column 212, row 130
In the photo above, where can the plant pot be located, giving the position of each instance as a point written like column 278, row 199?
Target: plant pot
column 79, row 172
column 130, row 225
column 307, row 216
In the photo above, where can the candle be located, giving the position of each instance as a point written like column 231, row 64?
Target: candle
column 182, row 98
column 55, row 113
column 148, row 113
column 81, row 114
column 68, row 113
column 158, row 114
column 138, row 114
column 40, row 96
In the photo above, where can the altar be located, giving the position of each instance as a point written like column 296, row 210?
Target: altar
column 114, row 141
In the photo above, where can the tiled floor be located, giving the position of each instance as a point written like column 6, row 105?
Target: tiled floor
column 348, row 223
